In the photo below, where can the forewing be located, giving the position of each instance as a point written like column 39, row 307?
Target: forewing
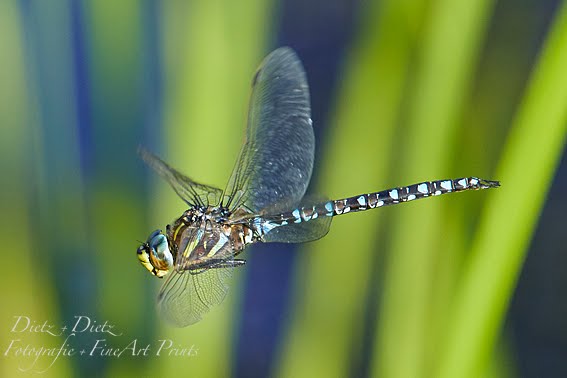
column 190, row 191
column 276, row 160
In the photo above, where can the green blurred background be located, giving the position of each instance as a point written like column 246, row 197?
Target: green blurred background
column 402, row 92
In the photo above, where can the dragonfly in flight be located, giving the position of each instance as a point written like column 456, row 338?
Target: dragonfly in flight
column 263, row 201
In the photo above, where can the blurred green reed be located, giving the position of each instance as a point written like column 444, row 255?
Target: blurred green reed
column 28, row 288
column 431, row 281
column 406, row 110
column 529, row 159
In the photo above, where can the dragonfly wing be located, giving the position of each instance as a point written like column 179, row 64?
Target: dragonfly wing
column 315, row 228
column 190, row 191
column 299, row 232
column 185, row 296
column 276, row 160
column 190, row 292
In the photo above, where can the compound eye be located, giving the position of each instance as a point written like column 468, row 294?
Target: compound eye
column 155, row 255
column 152, row 236
column 160, row 250
column 160, row 255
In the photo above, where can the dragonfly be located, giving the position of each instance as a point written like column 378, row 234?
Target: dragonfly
column 264, row 200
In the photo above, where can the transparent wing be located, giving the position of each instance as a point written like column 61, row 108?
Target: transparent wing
column 276, row 160
column 299, row 232
column 185, row 296
column 190, row 191
column 304, row 231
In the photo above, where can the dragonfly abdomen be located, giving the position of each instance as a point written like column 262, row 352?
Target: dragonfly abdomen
column 383, row 198
column 405, row 194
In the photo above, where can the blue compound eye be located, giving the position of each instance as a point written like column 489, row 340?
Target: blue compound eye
column 160, row 249
column 155, row 255
column 153, row 235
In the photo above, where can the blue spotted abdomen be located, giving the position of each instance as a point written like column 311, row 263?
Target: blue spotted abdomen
column 379, row 199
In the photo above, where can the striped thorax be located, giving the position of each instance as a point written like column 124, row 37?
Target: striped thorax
column 200, row 239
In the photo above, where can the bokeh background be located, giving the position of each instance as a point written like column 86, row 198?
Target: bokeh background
column 468, row 285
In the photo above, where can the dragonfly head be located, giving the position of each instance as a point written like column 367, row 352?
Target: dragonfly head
column 154, row 254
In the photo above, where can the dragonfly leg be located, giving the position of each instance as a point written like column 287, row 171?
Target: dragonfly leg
column 218, row 263
column 230, row 263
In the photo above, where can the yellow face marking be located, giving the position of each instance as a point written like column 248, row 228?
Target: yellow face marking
column 143, row 257
column 145, row 260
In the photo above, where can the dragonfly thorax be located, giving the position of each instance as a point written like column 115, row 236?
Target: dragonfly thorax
column 204, row 238
column 201, row 238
